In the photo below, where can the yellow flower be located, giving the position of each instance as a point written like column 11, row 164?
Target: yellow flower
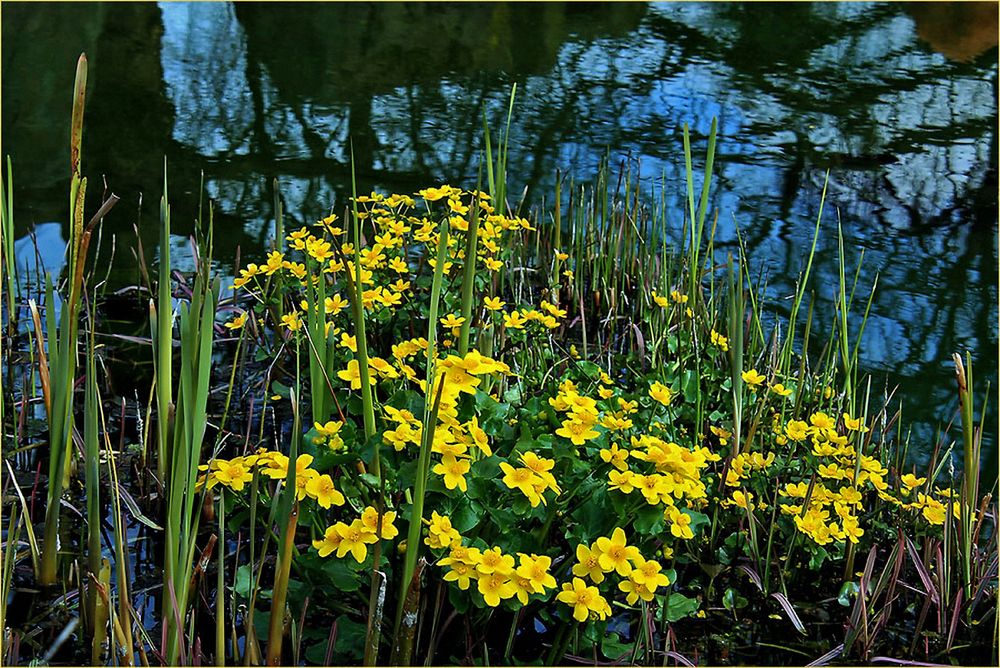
column 460, row 573
column 479, row 437
column 585, row 600
column 238, row 321
column 635, row 590
column 369, row 518
column 615, row 456
column 661, row 393
column 717, row 339
column 453, row 470
column 678, row 297
column 441, row 533
column 234, row 474
column 291, row 321
column 452, row 320
column 382, row 367
column 680, row 523
column 648, row 573
column 821, row 421
column 329, row 433
column 854, row 424
column 535, row 570
column 349, row 342
column 542, row 468
column 321, row 488
column 781, row 390
column 493, row 303
column 660, row 300
column 623, row 481
column 577, row 431
column 495, row 587
column 797, row 430
column 494, row 560
column 851, row 529
column 616, row 554
column 752, row 378
column 330, row 542
column 351, row 374
column 654, row 487
column 523, row 479
column 514, row 320
column 334, row 305
column 722, row 433
column 354, row 538
column 911, row 481
column 742, row 499
column 434, row 194
column 588, row 563
column 456, row 379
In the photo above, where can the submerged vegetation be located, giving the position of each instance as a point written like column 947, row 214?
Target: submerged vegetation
column 434, row 427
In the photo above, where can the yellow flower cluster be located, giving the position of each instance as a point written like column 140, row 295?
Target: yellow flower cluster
column 743, row 464
column 329, row 434
column 235, row 473
column 441, row 533
column 498, row 577
column 548, row 317
column 582, row 414
column 354, row 538
column 676, row 471
column 386, row 276
column 640, row 577
column 532, row 479
column 829, row 511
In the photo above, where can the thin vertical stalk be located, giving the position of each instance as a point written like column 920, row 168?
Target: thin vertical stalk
column 62, row 348
column 427, row 437
column 93, row 472
column 469, row 278
column 970, row 473
column 220, row 586
column 359, row 327
column 289, row 509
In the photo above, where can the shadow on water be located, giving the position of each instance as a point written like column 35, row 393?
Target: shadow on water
column 897, row 102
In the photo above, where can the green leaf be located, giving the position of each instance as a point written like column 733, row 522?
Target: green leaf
column 848, row 591
column 817, row 558
column 689, row 386
column 340, row 574
column 649, row 520
column 613, row 648
column 680, row 606
column 732, row 600
column 466, row 515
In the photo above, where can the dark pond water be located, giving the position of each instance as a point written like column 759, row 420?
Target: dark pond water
column 898, row 102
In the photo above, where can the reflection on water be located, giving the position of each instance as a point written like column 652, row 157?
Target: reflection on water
column 897, row 103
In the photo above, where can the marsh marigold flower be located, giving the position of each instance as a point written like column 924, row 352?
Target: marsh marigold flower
column 661, row 393
column 752, row 378
column 585, row 600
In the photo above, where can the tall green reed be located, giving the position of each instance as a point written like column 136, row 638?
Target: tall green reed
column 196, row 321
column 406, row 623
column 8, row 263
column 62, row 339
